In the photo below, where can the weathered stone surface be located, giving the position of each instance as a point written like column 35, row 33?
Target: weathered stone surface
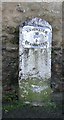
column 35, row 40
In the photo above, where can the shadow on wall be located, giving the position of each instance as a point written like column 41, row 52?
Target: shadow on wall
column 10, row 56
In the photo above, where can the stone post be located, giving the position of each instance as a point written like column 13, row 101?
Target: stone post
column 35, row 38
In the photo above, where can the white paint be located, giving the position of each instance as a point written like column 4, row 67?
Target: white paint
column 35, row 37
column 35, row 50
column 38, row 89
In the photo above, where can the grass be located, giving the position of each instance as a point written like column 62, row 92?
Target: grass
column 12, row 106
column 20, row 105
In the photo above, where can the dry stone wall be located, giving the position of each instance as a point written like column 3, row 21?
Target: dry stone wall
column 15, row 13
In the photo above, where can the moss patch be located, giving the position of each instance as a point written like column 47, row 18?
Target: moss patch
column 32, row 94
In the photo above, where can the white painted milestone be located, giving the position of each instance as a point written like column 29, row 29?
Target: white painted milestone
column 35, row 49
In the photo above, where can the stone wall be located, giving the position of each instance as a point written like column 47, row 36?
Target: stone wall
column 15, row 13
